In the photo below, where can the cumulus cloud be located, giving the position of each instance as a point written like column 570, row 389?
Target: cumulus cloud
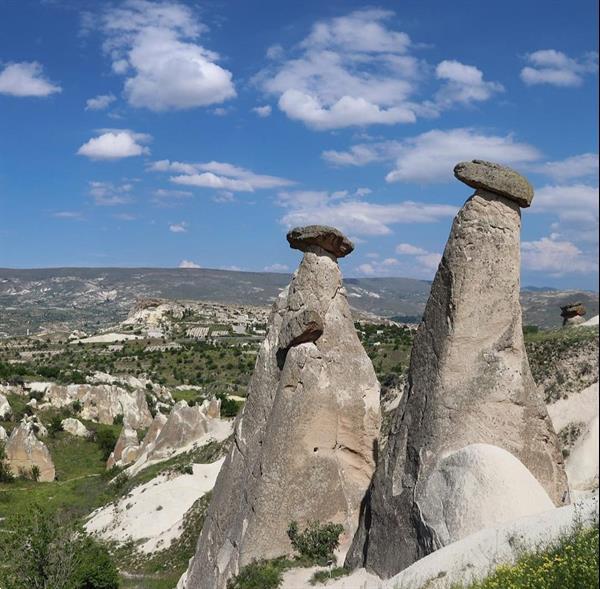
column 557, row 257
column 262, row 111
column 426, row 259
column 26, row 78
column 277, row 268
column 100, row 102
column 464, row 84
column 356, row 70
column 549, row 66
column 178, row 227
column 113, row 144
column 155, row 45
column 584, row 165
column 349, row 70
column 188, row 264
column 218, row 175
column 431, row 156
column 354, row 216
column 109, row 194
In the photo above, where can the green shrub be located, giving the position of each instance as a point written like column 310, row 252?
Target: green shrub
column 94, row 568
column 324, row 576
column 55, row 426
column 6, row 475
column 106, row 438
column 317, row 542
column 229, row 407
column 35, row 473
column 261, row 574
column 118, row 419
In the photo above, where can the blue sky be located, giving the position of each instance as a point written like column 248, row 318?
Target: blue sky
column 143, row 133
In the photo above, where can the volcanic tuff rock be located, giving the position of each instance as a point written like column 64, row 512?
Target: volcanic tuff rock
column 328, row 238
column 5, row 410
column 102, row 403
column 24, row 451
column 304, row 444
column 127, row 448
column 75, row 427
column 469, row 383
column 3, row 434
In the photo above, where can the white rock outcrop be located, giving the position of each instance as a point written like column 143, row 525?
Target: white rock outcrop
column 186, row 427
column 469, row 382
column 304, row 444
column 127, row 448
column 3, row 435
column 5, row 409
column 75, row 427
column 102, row 403
column 153, row 514
column 24, row 451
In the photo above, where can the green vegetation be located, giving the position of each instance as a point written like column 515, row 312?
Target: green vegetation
column 316, row 543
column 261, row 574
column 571, row 563
column 41, row 552
column 324, row 576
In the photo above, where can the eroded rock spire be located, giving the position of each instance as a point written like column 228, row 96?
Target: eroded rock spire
column 304, row 445
column 472, row 421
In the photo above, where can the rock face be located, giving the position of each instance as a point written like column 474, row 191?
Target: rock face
column 469, row 383
column 327, row 238
column 24, row 451
column 102, row 403
column 184, row 427
column 572, row 314
column 127, row 448
column 497, row 179
column 5, row 410
column 3, row 435
column 304, row 445
column 75, row 427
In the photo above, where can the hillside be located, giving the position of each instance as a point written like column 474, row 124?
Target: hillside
column 64, row 299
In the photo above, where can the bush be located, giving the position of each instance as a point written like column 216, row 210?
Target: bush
column 106, row 438
column 94, row 567
column 229, row 407
column 118, row 419
column 76, row 406
column 55, row 426
column 324, row 576
column 317, row 542
column 261, row 574
column 35, row 473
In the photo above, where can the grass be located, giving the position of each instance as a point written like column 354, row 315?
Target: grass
column 570, row 563
column 324, row 576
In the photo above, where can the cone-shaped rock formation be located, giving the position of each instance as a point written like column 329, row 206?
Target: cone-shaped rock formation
column 304, row 445
column 469, row 383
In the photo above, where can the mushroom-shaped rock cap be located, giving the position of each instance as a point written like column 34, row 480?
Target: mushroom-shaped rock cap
column 495, row 178
column 329, row 238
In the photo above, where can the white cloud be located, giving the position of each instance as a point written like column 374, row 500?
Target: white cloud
column 578, row 166
column 68, row 215
column 548, row 66
column 188, row 264
column 125, row 217
column 425, row 259
column 109, row 194
column 431, row 156
column 26, row 79
column 115, row 144
column 224, row 196
column 357, row 217
column 277, row 268
column 155, row 45
column 100, row 102
column 349, row 70
column 262, row 111
column 557, row 257
column 464, row 84
column 218, row 175
column 178, row 227
column 164, row 194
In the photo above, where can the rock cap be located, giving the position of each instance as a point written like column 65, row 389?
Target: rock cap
column 573, row 309
column 329, row 238
column 495, row 178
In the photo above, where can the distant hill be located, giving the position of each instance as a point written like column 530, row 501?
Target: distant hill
column 93, row 298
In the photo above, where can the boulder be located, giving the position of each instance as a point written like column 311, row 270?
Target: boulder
column 126, row 449
column 572, row 314
column 497, row 179
column 327, row 238
column 305, row 442
column 24, row 451
column 75, row 427
column 5, row 409
column 469, row 382
column 3, row 435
